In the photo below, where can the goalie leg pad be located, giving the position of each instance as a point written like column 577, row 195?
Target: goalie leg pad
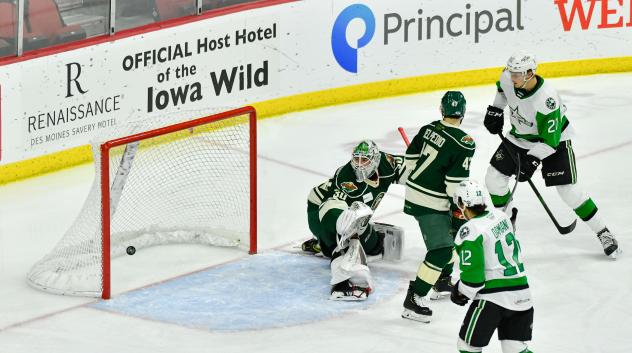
column 393, row 241
column 352, row 267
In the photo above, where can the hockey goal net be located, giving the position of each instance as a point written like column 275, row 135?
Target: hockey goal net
column 158, row 183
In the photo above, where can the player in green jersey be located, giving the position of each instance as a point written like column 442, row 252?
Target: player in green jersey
column 338, row 213
column 437, row 159
column 492, row 276
column 540, row 134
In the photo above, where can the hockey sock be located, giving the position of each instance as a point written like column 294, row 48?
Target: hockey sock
column 587, row 211
column 500, row 201
column 447, row 269
column 430, row 269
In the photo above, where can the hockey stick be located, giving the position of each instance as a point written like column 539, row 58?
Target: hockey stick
column 513, row 190
column 404, row 136
column 561, row 229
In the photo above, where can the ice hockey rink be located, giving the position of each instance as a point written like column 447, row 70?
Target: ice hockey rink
column 191, row 298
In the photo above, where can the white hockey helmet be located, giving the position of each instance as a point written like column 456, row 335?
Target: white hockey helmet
column 365, row 159
column 468, row 193
column 522, row 62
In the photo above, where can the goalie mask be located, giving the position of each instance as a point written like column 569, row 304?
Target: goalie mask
column 468, row 194
column 365, row 159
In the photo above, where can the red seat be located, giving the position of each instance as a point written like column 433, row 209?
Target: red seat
column 8, row 28
column 43, row 18
column 168, row 9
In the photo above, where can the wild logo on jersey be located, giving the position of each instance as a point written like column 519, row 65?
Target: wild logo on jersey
column 468, row 140
column 348, row 186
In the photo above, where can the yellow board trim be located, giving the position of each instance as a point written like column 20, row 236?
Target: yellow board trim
column 275, row 107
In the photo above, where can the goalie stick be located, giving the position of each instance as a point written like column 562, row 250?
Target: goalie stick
column 562, row 229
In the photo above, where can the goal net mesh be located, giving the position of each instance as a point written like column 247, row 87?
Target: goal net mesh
column 190, row 185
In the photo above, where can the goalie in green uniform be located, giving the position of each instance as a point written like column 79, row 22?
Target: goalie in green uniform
column 338, row 213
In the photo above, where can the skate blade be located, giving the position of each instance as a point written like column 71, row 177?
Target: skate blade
column 348, row 298
column 615, row 254
column 434, row 295
column 411, row 315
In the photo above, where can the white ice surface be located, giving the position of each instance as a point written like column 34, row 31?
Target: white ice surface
column 582, row 299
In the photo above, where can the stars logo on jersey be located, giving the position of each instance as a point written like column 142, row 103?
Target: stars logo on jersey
column 348, row 186
column 464, row 232
column 499, row 155
column 550, row 103
column 468, row 140
column 516, row 115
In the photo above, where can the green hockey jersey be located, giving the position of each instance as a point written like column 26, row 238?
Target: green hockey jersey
column 491, row 262
column 343, row 185
column 438, row 159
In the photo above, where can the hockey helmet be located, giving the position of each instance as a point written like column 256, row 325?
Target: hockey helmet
column 468, row 193
column 521, row 62
column 453, row 104
column 365, row 159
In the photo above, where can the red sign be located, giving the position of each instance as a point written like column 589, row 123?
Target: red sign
column 611, row 13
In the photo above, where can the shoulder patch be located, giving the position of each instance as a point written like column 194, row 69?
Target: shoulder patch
column 468, row 140
column 464, row 232
column 348, row 186
column 550, row 103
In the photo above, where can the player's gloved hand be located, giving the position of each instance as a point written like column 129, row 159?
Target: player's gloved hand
column 456, row 296
column 494, row 120
column 528, row 166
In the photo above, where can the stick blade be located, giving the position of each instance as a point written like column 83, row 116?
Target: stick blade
column 567, row 229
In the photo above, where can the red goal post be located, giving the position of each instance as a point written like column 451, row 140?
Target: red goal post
column 173, row 159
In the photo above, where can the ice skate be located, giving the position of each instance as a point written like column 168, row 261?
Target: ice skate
column 416, row 307
column 609, row 243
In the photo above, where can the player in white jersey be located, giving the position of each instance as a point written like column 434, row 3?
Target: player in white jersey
column 492, row 276
column 540, row 133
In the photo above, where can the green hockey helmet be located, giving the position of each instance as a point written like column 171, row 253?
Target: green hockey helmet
column 365, row 159
column 453, row 104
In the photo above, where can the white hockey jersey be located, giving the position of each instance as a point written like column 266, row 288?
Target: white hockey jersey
column 538, row 118
column 490, row 262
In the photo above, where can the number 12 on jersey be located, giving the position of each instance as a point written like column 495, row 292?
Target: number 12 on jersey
column 512, row 265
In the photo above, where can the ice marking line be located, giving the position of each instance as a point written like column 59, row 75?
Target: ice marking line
column 87, row 304
column 607, row 149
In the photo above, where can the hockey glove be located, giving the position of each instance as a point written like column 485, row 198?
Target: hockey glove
column 456, row 296
column 494, row 120
column 528, row 166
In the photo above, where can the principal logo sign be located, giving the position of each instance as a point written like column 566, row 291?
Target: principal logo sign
column 611, row 14
column 346, row 53
column 410, row 28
